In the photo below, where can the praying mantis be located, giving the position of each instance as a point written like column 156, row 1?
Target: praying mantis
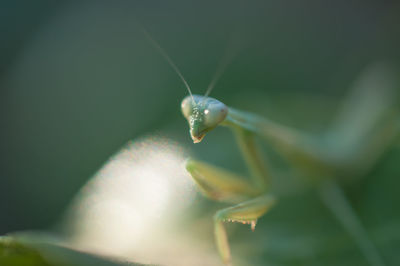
column 349, row 150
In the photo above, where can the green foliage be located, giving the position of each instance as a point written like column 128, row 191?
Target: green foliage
column 34, row 250
column 14, row 253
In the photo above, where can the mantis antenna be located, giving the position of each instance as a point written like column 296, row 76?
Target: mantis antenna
column 169, row 60
column 229, row 54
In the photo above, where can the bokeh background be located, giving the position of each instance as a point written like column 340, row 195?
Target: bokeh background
column 79, row 80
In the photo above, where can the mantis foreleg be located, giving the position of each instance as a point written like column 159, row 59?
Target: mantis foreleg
column 221, row 185
column 247, row 213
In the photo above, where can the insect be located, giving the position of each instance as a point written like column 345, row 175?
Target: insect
column 350, row 151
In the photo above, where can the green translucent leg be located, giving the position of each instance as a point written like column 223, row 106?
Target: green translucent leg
column 252, row 155
column 222, row 185
column 219, row 184
column 371, row 147
column 247, row 213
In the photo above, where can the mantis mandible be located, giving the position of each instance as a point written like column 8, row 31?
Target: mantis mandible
column 322, row 158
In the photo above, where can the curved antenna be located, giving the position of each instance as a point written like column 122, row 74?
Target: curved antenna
column 230, row 53
column 169, row 60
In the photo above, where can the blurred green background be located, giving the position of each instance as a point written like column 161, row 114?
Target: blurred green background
column 78, row 80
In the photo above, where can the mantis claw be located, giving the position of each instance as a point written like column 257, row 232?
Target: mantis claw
column 246, row 213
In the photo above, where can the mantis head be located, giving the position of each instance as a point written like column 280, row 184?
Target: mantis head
column 203, row 114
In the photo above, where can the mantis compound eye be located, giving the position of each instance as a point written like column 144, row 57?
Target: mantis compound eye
column 203, row 114
column 187, row 106
column 214, row 113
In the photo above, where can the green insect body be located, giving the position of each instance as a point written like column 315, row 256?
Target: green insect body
column 253, row 198
column 371, row 125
